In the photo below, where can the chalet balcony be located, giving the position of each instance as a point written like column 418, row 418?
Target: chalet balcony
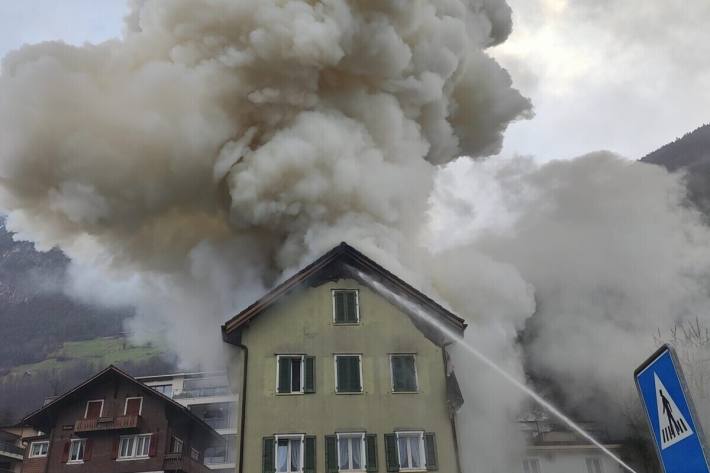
column 182, row 462
column 107, row 423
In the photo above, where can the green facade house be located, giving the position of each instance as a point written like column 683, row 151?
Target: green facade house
column 339, row 373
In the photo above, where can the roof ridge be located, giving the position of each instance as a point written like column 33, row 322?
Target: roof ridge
column 300, row 277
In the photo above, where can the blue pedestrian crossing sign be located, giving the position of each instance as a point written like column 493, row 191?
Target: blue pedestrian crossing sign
column 670, row 413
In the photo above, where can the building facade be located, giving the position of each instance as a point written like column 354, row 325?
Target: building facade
column 209, row 397
column 113, row 423
column 340, row 373
column 12, row 450
column 555, row 449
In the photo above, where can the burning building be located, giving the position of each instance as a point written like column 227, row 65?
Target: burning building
column 337, row 377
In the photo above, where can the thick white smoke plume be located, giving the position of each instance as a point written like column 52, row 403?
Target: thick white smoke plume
column 222, row 144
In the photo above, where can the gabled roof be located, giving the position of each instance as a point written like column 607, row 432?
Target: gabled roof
column 344, row 261
column 44, row 415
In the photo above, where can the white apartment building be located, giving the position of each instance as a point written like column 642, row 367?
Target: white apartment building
column 209, row 397
column 555, row 449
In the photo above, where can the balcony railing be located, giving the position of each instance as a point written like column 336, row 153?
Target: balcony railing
column 220, row 423
column 182, row 462
column 204, row 392
column 107, row 423
column 11, row 448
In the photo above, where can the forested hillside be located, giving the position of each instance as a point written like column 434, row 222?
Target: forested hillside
column 35, row 317
column 691, row 154
column 49, row 342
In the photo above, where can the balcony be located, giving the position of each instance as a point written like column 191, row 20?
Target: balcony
column 198, row 392
column 107, row 423
column 182, row 462
column 10, row 450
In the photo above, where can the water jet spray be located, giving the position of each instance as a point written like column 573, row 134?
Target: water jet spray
column 456, row 338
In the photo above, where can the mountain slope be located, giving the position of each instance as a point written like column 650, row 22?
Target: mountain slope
column 35, row 317
column 691, row 154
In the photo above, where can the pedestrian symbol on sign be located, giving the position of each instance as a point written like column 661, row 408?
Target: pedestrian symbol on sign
column 672, row 424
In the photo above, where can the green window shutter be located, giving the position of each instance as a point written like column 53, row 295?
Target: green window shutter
column 404, row 378
column 410, row 373
column 391, row 456
column 284, row 375
column 339, row 306
column 396, row 373
column 331, row 454
column 309, row 454
column 310, row 375
column 371, row 452
column 348, row 379
column 350, row 306
column 341, row 375
column 268, row 456
column 432, row 461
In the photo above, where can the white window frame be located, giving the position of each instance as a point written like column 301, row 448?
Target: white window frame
column 71, row 451
column 194, row 454
column 528, row 465
column 303, row 373
column 40, row 455
column 101, row 411
column 140, row 408
column 178, row 441
column 335, row 363
column 289, row 437
column 594, row 460
column 352, row 436
column 422, row 456
column 155, row 387
column 357, row 305
column 134, row 448
column 416, row 373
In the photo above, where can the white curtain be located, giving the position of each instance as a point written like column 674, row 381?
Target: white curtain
column 295, row 455
column 402, row 447
column 357, row 453
column 344, row 463
column 416, row 455
column 282, row 457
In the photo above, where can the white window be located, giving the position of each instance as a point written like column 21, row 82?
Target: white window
column 39, row 449
column 94, row 409
column 289, row 453
column 134, row 446
column 410, row 448
column 76, row 451
column 346, row 307
column 594, row 465
column 195, row 454
column 531, row 465
column 290, row 374
column 166, row 389
column 351, row 452
column 348, row 373
column 175, row 445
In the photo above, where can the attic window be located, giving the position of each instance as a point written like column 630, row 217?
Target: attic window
column 133, row 406
column 346, row 308
column 94, row 409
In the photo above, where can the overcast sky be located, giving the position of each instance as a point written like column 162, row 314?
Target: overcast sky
column 622, row 75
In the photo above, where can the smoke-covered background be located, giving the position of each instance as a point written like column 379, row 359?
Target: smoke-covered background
column 220, row 145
